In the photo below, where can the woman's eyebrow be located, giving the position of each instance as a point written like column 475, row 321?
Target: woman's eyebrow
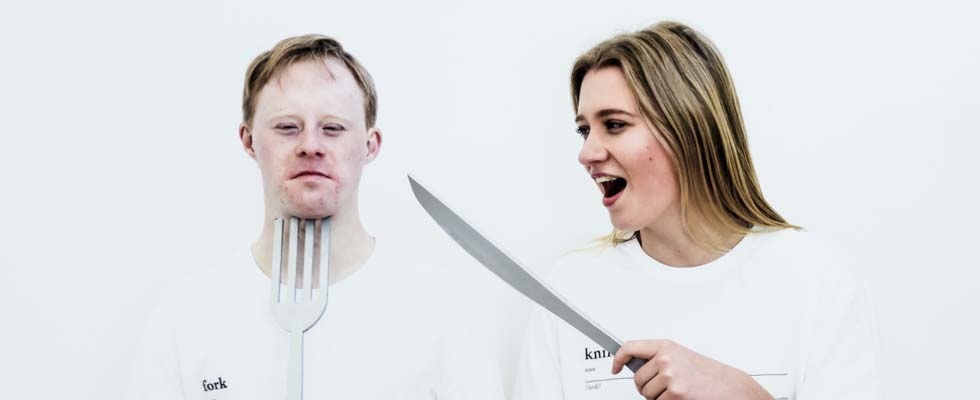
column 605, row 112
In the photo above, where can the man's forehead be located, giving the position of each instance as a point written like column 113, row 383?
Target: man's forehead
column 312, row 81
column 326, row 69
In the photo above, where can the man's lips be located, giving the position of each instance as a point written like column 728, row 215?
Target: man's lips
column 303, row 174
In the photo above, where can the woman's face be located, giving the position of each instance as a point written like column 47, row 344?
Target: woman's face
column 624, row 155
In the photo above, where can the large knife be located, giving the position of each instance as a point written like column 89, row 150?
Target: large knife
column 512, row 272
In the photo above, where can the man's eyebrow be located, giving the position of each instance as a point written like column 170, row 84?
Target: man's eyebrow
column 605, row 112
column 282, row 114
column 290, row 114
column 339, row 117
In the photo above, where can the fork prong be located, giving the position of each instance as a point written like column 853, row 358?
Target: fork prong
column 276, row 260
column 308, row 261
column 324, row 260
column 293, row 255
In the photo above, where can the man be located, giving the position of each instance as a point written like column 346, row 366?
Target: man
column 309, row 110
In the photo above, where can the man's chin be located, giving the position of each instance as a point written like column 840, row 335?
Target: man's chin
column 311, row 215
column 309, row 205
column 311, row 212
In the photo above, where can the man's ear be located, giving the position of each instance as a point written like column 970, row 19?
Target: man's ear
column 245, row 134
column 373, row 144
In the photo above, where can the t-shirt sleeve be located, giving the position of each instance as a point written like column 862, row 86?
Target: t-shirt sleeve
column 840, row 360
column 539, row 369
column 155, row 374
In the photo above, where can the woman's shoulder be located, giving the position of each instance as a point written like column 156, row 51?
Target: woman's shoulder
column 811, row 257
column 589, row 262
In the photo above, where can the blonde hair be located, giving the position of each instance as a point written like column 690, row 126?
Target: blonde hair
column 304, row 48
column 683, row 89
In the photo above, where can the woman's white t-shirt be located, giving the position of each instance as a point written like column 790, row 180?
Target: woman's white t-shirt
column 777, row 306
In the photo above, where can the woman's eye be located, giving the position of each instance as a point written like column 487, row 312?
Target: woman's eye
column 613, row 125
column 583, row 131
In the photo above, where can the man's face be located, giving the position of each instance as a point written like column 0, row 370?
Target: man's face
column 309, row 138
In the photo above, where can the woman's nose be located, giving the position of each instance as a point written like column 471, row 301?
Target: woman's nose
column 593, row 151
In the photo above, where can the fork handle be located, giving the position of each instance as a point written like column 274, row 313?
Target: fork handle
column 294, row 389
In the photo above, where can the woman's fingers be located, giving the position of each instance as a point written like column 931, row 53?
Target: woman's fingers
column 675, row 372
column 645, row 349
column 655, row 388
column 645, row 374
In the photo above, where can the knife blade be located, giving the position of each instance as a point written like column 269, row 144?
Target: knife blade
column 512, row 271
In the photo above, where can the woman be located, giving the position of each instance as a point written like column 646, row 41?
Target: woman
column 725, row 298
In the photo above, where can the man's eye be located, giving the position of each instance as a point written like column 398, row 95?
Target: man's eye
column 583, row 131
column 287, row 128
column 333, row 128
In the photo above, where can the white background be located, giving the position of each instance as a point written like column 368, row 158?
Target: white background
column 120, row 160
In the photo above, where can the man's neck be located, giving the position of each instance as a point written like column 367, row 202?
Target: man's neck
column 350, row 246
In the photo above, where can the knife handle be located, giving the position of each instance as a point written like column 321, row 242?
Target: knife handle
column 634, row 364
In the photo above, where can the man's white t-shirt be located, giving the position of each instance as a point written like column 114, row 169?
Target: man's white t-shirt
column 395, row 329
column 777, row 307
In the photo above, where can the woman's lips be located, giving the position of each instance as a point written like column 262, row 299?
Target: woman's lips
column 608, row 201
column 609, row 184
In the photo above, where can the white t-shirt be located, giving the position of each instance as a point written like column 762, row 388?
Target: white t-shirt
column 776, row 306
column 398, row 328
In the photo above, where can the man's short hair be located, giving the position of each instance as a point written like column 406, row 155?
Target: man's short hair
column 304, row 48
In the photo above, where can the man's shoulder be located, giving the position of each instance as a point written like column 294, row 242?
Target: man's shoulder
column 424, row 276
column 423, row 262
column 210, row 284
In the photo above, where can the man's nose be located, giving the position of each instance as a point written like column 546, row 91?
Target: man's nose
column 593, row 151
column 310, row 143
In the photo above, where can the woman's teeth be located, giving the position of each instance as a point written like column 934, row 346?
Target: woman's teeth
column 611, row 185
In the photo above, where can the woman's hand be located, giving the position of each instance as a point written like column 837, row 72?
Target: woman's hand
column 674, row 372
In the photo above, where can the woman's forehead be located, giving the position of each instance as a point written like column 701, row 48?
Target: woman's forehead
column 604, row 89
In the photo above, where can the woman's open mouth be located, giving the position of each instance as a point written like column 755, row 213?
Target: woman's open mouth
column 612, row 187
